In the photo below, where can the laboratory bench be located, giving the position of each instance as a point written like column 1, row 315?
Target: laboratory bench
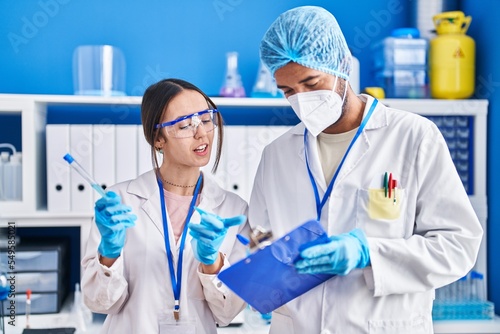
column 440, row 327
column 63, row 319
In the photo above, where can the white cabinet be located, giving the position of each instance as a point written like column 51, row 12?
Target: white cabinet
column 32, row 131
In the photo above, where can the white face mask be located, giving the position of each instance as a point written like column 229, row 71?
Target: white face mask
column 317, row 109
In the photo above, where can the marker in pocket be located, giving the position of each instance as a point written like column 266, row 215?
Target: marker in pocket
column 394, row 187
column 386, row 184
column 390, row 186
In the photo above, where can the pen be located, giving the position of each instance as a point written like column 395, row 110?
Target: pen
column 385, row 184
column 245, row 241
column 390, row 184
column 77, row 167
column 394, row 185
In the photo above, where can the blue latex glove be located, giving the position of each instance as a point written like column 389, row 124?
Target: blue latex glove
column 209, row 234
column 112, row 219
column 342, row 254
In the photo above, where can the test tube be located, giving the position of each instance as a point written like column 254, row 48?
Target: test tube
column 28, row 307
column 477, row 286
column 245, row 241
column 77, row 167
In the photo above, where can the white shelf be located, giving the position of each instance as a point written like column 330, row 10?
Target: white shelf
column 44, row 218
column 421, row 106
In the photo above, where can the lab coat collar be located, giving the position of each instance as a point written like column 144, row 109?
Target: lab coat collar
column 146, row 186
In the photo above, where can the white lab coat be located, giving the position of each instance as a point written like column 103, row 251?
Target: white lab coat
column 137, row 288
column 432, row 240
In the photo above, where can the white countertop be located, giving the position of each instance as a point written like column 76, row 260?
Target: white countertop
column 65, row 319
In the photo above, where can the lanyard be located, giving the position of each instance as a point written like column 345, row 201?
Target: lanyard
column 321, row 203
column 176, row 283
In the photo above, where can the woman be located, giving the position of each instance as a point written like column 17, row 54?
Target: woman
column 128, row 274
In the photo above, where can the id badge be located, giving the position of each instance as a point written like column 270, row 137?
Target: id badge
column 168, row 325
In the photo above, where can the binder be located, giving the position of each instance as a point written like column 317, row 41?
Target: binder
column 81, row 149
column 267, row 278
column 144, row 162
column 126, row 152
column 103, row 149
column 58, row 170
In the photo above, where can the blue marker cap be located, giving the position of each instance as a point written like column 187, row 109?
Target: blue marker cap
column 242, row 239
column 68, row 158
column 475, row 275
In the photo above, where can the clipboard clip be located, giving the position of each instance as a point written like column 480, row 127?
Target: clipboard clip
column 260, row 238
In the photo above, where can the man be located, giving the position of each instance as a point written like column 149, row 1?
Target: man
column 380, row 181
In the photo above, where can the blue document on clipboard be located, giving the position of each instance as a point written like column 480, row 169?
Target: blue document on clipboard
column 267, row 279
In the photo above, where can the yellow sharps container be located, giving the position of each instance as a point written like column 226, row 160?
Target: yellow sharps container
column 452, row 57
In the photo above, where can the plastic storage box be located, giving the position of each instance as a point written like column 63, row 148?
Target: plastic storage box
column 41, row 266
column 400, row 64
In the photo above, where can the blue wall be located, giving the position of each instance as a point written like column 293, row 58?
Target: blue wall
column 189, row 39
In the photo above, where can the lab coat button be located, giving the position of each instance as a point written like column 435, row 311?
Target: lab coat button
column 325, row 331
column 219, row 284
column 106, row 273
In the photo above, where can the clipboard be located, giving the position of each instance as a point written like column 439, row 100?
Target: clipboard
column 267, row 279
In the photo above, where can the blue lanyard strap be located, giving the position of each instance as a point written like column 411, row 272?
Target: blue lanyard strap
column 321, row 203
column 176, row 283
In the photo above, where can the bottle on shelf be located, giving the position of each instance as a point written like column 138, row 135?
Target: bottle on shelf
column 4, row 159
column 232, row 86
column 452, row 57
column 400, row 64
column 11, row 176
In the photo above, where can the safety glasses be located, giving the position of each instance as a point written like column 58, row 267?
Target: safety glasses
column 186, row 126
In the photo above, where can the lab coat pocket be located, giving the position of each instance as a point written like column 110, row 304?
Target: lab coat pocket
column 381, row 216
column 417, row 325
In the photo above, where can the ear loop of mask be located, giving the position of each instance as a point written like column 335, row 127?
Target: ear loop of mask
column 345, row 88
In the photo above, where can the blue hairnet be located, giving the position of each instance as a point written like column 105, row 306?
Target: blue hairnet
column 309, row 36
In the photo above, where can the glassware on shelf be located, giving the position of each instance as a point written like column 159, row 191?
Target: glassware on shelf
column 99, row 70
column 10, row 174
column 265, row 85
column 232, row 86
